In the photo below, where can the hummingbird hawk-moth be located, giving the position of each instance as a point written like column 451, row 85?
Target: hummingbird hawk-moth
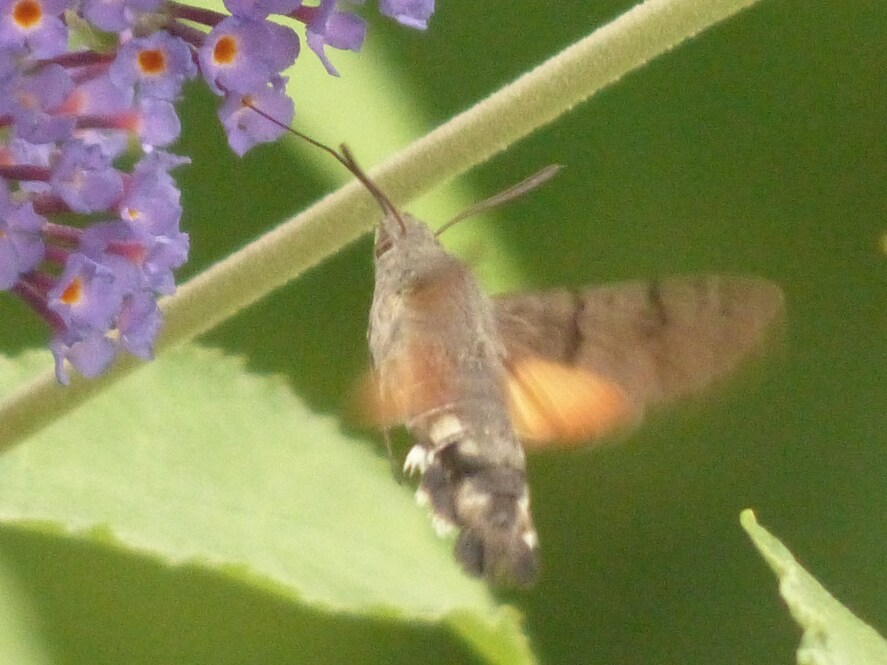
column 473, row 377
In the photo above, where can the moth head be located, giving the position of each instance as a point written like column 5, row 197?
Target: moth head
column 420, row 256
column 390, row 231
column 407, row 254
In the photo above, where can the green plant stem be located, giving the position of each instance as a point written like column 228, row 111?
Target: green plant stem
column 530, row 102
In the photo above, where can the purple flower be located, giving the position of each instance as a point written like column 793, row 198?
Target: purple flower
column 138, row 323
column 7, row 64
column 111, row 272
column 87, row 296
column 246, row 127
column 331, row 27
column 114, row 246
column 90, row 355
column 146, row 246
column 260, row 9
column 110, row 108
column 412, row 13
column 151, row 199
column 85, row 179
column 153, row 66
column 241, row 55
column 157, row 122
column 165, row 255
column 98, row 96
column 31, row 99
column 116, row 15
column 21, row 246
column 19, row 151
column 33, row 26
column 89, row 211
column 138, row 260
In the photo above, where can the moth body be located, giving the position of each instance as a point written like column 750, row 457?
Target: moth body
column 440, row 362
column 475, row 378
column 472, row 377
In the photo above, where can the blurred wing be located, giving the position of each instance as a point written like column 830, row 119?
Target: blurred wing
column 551, row 401
column 366, row 406
column 413, row 383
column 653, row 341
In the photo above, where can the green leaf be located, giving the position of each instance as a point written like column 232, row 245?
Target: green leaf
column 832, row 634
column 21, row 640
column 195, row 461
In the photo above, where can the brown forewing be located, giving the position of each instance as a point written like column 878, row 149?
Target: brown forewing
column 652, row 341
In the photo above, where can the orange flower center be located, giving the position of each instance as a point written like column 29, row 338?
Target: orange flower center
column 27, row 13
column 152, row 62
column 72, row 294
column 225, row 51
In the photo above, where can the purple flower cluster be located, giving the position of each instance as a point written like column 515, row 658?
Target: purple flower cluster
column 89, row 210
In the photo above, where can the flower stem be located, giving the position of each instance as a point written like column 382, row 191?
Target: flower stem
column 530, row 102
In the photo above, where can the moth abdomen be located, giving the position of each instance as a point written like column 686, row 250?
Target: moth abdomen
column 490, row 506
column 498, row 539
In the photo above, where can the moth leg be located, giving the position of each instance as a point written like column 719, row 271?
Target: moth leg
column 420, row 457
column 443, row 429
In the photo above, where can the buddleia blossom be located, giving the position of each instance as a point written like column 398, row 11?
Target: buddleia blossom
column 89, row 209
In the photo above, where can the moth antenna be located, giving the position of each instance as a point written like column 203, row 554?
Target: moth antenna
column 384, row 202
column 345, row 158
column 540, row 177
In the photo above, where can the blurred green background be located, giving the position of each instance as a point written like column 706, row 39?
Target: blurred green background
column 759, row 147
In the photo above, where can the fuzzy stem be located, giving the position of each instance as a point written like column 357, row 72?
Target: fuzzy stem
column 533, row 100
